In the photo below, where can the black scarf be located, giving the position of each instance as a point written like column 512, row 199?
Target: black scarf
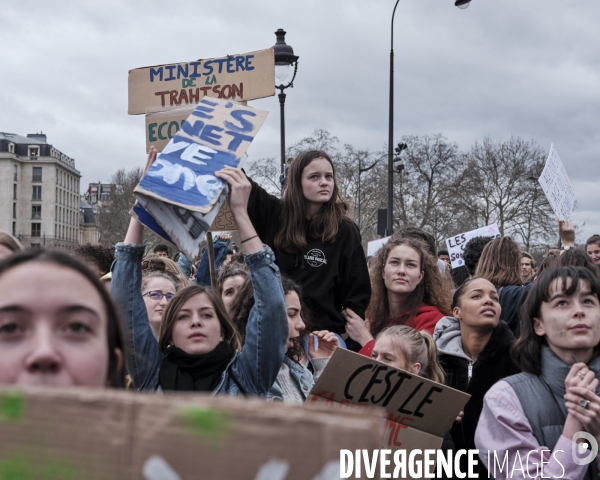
column 201, row 373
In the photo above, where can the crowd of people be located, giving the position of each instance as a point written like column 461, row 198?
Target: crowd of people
column 521, row 339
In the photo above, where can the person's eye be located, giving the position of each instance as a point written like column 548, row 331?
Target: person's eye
column 476, row 296
column 183, row 316
column 78, row 328
column 496, row 299
column 207, row 315
column 155, row 295
column 228, row 293
column 387, row 359
column 291, row 314
column 169, row 296
column 589, row 301
column 561, row 303
column 9, row 328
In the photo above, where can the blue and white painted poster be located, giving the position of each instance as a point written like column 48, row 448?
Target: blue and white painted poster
column 217, row 133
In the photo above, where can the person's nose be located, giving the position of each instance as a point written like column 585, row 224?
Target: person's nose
column 44, row 357
column 196, row 320
column 300, row 325
column 163, row 300
column 578, row 311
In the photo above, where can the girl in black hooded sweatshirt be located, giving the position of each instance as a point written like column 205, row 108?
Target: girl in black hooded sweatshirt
column 315, row 242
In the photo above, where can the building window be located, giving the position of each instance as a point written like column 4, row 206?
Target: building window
column 15, row 191
column 37, row 174
column 34, row 152
column 37, row 192
column 16, row 171
column 14, row 210
column 11, row 148
column 36, row 229
column 14, row 233
column 36, row 211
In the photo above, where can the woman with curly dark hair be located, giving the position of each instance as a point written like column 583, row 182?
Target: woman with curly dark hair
column 294, row 380
column 407, row 289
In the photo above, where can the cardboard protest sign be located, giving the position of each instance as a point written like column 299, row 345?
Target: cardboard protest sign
column 419, row 411
column 217, row 133
column 456, row 244
column 374, row 246
column 557, row 186
column 163, row 126
column 180, row 191
column 224, row 219
column 108, row 434
column 245, row 76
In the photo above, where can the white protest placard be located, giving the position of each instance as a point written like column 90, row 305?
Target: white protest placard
column 374, row 246
column 246, row 76
column 557, row 186
column 456, row 244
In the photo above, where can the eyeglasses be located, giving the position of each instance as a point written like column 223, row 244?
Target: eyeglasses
column 154, row 295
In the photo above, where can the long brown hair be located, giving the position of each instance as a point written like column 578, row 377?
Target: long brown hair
column 169, row 319
column 416, row 347
column 500, row 262
column 116, row 368
column 432, row 290
column 526, row 352
column 295, row 230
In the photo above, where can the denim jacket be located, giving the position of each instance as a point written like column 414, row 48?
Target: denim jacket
column 251, row 371
column 302, row 375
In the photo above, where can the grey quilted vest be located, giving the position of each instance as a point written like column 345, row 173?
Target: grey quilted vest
column 546, row 414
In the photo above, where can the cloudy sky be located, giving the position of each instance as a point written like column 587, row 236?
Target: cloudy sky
column 498, row 68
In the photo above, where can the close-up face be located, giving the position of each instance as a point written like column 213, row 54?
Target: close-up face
column 231, row 287
column 53, row 328
column 294, row 313
column 402, row 271
column 526, row 267
column 384, row 351
column 569, row 322
column 197, row 329
column 162, row 253
column 5, row 252
column 154, row 288
column 479, row 306
column 317, row 181
column 593, row 250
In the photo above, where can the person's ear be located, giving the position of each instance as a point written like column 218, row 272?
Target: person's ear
column 538, row 327
column 421, row 276
column 416, row 368
column 456, row 313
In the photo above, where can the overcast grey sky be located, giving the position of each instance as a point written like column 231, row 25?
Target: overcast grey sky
column 498, row 68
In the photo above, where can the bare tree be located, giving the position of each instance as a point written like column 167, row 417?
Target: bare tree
column 498, row 188
column 113, row 214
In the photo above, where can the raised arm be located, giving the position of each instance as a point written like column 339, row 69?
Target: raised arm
column 267, row 329
column 143, row 360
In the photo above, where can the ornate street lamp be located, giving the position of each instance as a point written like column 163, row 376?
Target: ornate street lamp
column 284, row 59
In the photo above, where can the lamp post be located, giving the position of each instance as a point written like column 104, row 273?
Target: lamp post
column 284, row 58
column 390, row 201
column 360, row 172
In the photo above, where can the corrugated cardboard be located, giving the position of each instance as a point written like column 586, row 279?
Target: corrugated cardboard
column 245, row 76
column 102, row 434
column 419, row 411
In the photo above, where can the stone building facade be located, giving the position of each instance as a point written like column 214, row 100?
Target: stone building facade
column 39, row 192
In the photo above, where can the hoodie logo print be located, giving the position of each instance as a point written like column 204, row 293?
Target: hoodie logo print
column 315, row 258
